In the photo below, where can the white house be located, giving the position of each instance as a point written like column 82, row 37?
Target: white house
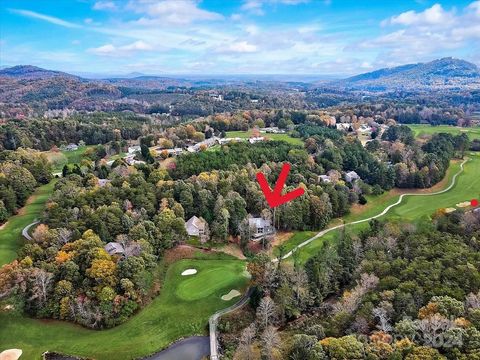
column 272, row 130
column 351, row 176
column 133, row 149
column 71, row 147
column 260, row 228
column 254, row 140
column 228, row 140
column 195, row 226
column 343, row 126
column 325, row 178
column 207, row 143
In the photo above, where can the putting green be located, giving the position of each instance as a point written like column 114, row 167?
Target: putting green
column 166, row 319
column 209, row 280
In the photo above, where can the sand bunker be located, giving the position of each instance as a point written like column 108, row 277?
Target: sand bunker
column 232, row 294
column 189, row 272
column 12, row 354
column 450, row 210
column 463, row 204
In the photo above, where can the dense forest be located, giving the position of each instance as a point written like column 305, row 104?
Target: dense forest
column 21, row 172
column 408, row 293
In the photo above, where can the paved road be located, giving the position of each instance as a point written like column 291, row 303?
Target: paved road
column 214, row 321
column 386, row 210
column 25, row 230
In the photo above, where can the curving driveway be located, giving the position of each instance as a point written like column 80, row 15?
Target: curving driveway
column 386, row 210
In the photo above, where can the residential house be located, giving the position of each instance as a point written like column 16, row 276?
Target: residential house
column 351, row 176
column 114, row 248
column 133, row 149
column 71, row 147
column 195, row 226
column 325, row 178
column 131, row 249
column 130, row 160
column 256, row 139
column 260, row 228
column 272, row 130
column 343, row 126
column 228, row 140
column 206, row 143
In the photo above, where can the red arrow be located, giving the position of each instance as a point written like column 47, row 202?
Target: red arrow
column 274, row 197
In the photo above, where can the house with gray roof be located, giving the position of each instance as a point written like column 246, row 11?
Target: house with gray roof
column 195, row 226
column 351, row 176
column 260, row 228
column 114, row 248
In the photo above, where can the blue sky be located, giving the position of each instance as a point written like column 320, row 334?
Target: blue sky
column 335, row 37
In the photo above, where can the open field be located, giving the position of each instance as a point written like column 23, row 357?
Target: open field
column 59, row 159
column 10, row 234
column 423, row 129
column 281, row 137
column 412, row 208
column 182, row 309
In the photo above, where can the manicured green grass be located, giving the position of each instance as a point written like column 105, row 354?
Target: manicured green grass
column 280, row 137
column 297, row 238
column 413, row 208
column 66, row 157
column 182, row 309
column 423, row 129
column 10, row 235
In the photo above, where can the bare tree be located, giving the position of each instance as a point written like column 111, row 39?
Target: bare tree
column 383, row 319
column 473, row 301
column 266, row 311
column 246, row 339
column 41, row 281
column 270, row 341
column 64, row 236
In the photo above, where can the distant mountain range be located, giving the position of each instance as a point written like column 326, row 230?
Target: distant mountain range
column 47, row 89
column 446, row 73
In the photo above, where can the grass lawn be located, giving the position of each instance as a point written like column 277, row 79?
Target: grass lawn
column 10, row 235
column 182, row 309
column 424, row 129
column 297, row 238
column 59, row 159
column 413, row 208
column 280, row 137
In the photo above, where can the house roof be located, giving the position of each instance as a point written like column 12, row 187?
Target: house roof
column 195, row 221
column 258, row 222
column 114, row 248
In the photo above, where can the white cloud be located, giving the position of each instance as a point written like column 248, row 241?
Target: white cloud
column 47, row 18
column 176, row 12
column 421, row 36
column 242, row 47
column 129, row 49
column 104, row 5
column 435, row 15
column 253, row 6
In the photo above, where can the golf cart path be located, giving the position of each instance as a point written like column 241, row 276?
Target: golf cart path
column 214, row 320
column 386, row 210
